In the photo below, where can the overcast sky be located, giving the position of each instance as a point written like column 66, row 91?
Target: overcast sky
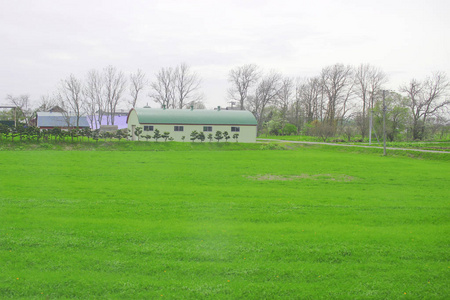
column 45, row 41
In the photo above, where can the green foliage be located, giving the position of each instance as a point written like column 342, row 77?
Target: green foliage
column 4, row 131
column 236, row 136
column 165, row 135
column 156, row 135
column 194, row 135
column 138, row 131
column 201, row 136
column 210, row 137
column 218, row 136
column 121, row 134
column 289, row 129
column 312, row 223
column 226, row 136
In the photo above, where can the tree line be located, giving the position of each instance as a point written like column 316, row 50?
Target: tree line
column 100, row 92
column 33, row 133
column 340, row 100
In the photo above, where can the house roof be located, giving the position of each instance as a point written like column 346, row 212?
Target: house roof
column 56, row 119
column 195, row 116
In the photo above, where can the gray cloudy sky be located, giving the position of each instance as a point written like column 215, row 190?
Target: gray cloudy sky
column 44, row 41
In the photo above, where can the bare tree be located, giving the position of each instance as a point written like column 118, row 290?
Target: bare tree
column 368, row 82
column 266, row 92
column 426, row 100
column 23, row 105
column 71, row 98
column 337, row 85
column 47, row 102
column 138, row 82
column 309, row 94
column 176, row 88
column 285, row 97
column 96, row 104
column 242, row 79
column 163, row 89
column 115, row 83
column 187, row 86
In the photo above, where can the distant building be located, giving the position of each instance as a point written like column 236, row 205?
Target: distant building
column 119, row 120
column 49, row 120
column 56, row 109
column 182, row 122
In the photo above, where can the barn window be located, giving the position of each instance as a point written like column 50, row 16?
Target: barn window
column 148, row 128
column 178, row 128
column 235, row 129
column 207, row 128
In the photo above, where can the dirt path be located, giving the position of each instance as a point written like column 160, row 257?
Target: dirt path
column 346, row 145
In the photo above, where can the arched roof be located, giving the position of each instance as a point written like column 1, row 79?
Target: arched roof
column 194, row 116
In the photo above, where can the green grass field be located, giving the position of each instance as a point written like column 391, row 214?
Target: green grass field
column 308, row 223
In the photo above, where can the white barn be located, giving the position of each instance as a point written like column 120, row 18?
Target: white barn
column 182, row 122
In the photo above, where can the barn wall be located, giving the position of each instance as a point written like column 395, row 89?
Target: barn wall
column 247, row 133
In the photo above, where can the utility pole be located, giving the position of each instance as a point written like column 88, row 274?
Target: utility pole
column 370, row 127
column 384, row 125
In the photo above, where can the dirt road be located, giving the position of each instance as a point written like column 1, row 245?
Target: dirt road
column 346, row 145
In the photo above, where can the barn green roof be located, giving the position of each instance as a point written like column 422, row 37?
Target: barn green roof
column 195, row 116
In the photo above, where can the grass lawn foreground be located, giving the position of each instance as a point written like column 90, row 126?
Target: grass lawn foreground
column 300, row 223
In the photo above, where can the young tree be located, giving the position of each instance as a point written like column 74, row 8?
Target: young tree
column 226, row 136
column 87, row 132
column 242, row 79
column 165, row 135
column 324, row 130
column 121, row 134
column 201, row 136
column 194, row 135
column 236, row 136
column 218, row 136
column 104, row 135
column 156, row 135
column 210, row 137
column 138, row 131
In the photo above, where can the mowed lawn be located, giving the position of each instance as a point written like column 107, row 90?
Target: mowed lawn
column 303, row 223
